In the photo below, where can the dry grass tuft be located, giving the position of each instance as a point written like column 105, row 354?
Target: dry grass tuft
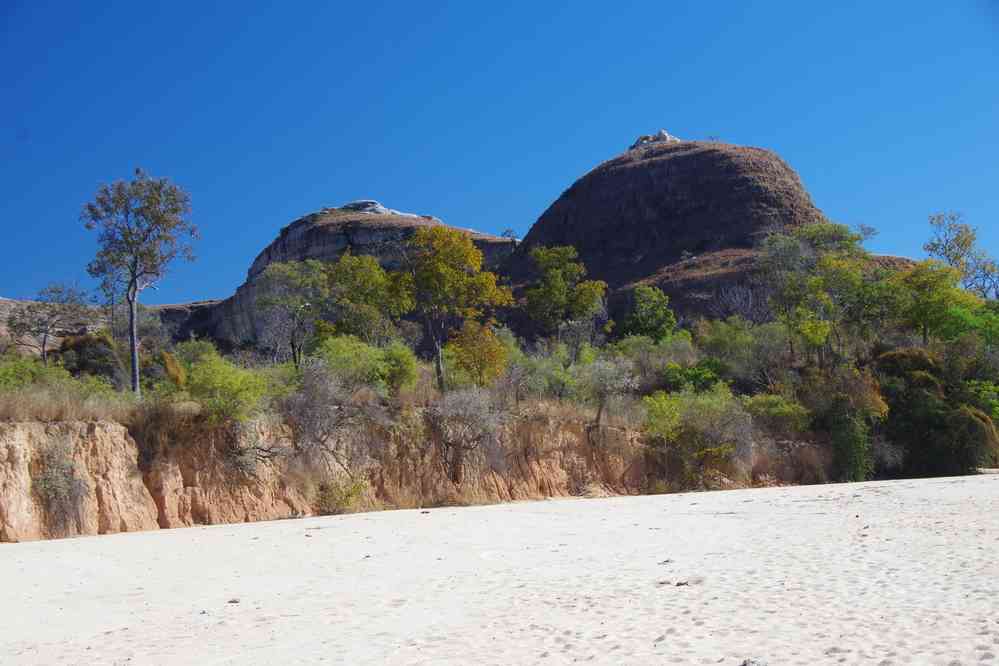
column 49, row 404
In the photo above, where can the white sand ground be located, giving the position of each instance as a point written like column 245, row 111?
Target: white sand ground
column 881, row 573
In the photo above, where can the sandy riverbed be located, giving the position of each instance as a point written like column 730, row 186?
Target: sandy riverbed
column 881, row 573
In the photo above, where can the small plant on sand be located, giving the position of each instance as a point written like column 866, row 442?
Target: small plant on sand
column 337, row 495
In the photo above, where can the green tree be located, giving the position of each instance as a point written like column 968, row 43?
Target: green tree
column 293, row 297
column 56, row 308
column 650, row 315
column 143, row 227
column 825, row 289
column 929, row 293
column 955, row 243
column 939, row 434
column 365, row 299
column 449, row 284
column 560, row 294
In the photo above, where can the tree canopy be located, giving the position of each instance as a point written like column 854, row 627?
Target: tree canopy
column 143, row 225
column 449, row 284
column 561, row 294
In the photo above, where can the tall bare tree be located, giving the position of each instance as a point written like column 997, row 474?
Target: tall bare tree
column 143, row 226
column 56, row 309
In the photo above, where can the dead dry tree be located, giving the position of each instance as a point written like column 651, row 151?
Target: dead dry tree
column 749, row 301
column 605, row 379
column 326, row 417
column 462, row 422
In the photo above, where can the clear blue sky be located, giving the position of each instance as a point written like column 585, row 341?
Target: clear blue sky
column 479, row 113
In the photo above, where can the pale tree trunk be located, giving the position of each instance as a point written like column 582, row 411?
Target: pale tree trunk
column 133, row 339
column 111, row 318
column 45, row 348
column 438, row 340
column 439, row 365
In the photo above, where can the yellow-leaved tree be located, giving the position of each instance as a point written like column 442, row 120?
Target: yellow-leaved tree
column 478, row 352
column 449, row 285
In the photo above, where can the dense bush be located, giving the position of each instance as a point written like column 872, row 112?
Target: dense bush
column 337, row 495
column 18, row 372
column 692, row 433
column 401, row 367
column 357, row 363
column 700, row 377
column 938, row 433
column 753, row 355
column 225, row 391
column 778, row 416
column 93, row 355
column 851, row 440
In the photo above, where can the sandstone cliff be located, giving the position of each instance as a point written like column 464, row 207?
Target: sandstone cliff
column 69, row 479
column 363, row 227
column 101, row 488
column 113, row 497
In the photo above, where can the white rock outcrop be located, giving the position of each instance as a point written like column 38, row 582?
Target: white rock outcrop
column 662, row 136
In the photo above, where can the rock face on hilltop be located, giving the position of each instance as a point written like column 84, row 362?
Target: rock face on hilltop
column 362, row 227
column 94, row 320
column 666, row 201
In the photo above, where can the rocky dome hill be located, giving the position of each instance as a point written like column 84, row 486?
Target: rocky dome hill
column 362, row 227
column 684, row 215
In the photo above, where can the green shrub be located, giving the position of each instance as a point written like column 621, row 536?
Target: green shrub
column 939, row 434
column 225, row 391
column 280, row 379
column 780, row 417
column 691, row 433
column 92, row 354
column 336, row 496
column 700, row 377
column 401, row 367
column 851, row 443
column 354, row 362
column 985, row 396
column 191, row 351
column 650, row 358
column 749, row 354
column 18, row 372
